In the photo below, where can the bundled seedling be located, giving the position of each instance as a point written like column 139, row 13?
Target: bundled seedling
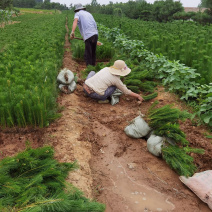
column 164, row 122
column 160, row 116
column 179, row 160
column 150, row 96
column 140, row 79
column 34, row 181
column 172, row 131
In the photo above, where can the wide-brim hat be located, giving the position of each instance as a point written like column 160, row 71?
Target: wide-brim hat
column 119, row 68
column 78, row 7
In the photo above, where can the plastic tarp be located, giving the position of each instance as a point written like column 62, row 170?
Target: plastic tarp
column 201, row 185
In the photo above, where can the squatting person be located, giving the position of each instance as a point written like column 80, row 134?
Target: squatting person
column 101, row 85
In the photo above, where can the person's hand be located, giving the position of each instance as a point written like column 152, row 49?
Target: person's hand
column 72, row 35
column 140, row 98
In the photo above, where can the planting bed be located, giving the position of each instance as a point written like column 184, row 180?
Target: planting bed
column 114, row 169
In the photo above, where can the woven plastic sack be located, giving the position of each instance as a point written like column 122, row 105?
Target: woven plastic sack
column 201, row 185
column 72, row 86
column 115, row 96
column 65, row 77
column 154, row 144
column 138, row 128
column 67, row 89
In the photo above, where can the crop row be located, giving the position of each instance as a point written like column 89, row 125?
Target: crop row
column 187, row 42
column 176, row 76
column 28, row 69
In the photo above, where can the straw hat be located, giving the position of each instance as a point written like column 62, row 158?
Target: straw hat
column 78, row 7
column 119, row 68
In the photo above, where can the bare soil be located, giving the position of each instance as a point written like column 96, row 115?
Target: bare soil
column 114, row 169
column 2, row 25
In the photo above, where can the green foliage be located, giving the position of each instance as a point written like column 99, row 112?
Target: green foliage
column 103, row 53
column 176, row 76
column 34, row 181
column 134, row 88
column 39, row 4
column 158, row 11
column 150, row 96
column 188, row 42
column 5, row 4
column 160, row 116
column 28, row 69
column 172, row 131
column 178, row 160
column 148, row 86
column 164, row 123
column 6, row 16
column 90, row 68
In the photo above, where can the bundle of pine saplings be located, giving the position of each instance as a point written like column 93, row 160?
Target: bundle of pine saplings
column 33, row 181
column 164, row 122
column 140, row 80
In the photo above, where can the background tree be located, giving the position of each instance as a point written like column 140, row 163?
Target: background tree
column 183, row 15
column 163, row 11
column 5, row 4
column 207, row 4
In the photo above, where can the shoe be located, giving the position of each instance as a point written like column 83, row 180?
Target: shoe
column 103, row 101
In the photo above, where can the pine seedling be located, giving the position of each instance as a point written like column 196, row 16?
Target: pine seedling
column 172, row 131
column 148, row 86
column 164, row 115
column 134, row 82
column 178, row 160
column 134, row 88
column 160, row 116
column 34, row 181
column 150, row 96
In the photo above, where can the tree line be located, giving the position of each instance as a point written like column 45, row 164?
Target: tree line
column 37, row 4
column 161, row 11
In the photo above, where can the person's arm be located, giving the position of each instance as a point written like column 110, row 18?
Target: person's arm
column 73, row 28
column 121, row 86
column 136, row 96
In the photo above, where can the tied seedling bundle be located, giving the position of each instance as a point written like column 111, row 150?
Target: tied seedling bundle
column 34, row 181
column 164, row 122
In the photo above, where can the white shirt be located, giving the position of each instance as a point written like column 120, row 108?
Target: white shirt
column 104, row 79
column 86, row 24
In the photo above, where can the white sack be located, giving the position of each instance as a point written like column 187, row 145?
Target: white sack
column 138, row 128
column 65, row 77
column 154, row 144
column 72, row 86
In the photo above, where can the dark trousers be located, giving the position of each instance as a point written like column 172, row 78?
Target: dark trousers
column 90, row 50
column 109, row 91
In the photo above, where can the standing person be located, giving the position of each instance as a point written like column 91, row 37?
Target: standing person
column 88, row 30
column 102, row 85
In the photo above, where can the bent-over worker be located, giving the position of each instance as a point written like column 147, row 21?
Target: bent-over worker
column 102, row 85
column 88, row 30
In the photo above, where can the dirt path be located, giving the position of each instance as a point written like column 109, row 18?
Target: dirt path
column 114, row 169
